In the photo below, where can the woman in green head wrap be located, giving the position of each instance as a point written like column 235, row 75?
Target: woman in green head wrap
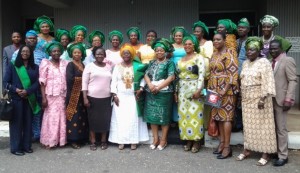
column 191, row 73
column 43, row 25
column 96, row 39
column 159, row 92
column 64, row 38
column 75, row 110
column 177, row 34
column 78, row 33
column 258, row 88
column 229, row 28
column 113, row 54
column 52, row 77
column 134, row 35
column 206, row 46
column 268, row 23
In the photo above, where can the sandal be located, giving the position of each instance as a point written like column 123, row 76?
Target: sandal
column 75, row 146
column 262, row 162
column 241, row 157
column 188, row 146
column 161, row 147
column 154, row 145
column 93, row 147
column 121, row 146
column 196, row 147
column 103, row 145
column 133, row 146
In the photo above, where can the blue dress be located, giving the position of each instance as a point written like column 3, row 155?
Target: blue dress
column 177, row 55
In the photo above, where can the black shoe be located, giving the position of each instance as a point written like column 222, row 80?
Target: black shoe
column 18, row 153
column 225, row 157
column 280, row 162
column 217, row 150
column 28, row 151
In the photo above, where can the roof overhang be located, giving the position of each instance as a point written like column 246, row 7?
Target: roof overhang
column 56, row 3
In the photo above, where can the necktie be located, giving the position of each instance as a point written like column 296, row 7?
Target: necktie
column 273, row 64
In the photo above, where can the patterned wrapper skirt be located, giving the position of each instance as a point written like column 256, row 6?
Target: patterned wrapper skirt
column 226, row 111
column 158, row 108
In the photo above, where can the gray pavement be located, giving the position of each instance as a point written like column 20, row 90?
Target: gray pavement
column 172, row 159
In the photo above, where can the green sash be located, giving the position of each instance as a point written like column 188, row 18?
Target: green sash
column 25, row 80
column 139, row 71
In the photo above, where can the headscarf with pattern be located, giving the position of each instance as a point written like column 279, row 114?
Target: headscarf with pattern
column 244, row 22
column 163, row 43
column 270, row 19
column 255, row 42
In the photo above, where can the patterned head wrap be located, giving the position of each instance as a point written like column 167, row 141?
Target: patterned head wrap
column 79, row 46
column 98, row 34
column 244, row 22
column 41, row 20
column 177, row 29
column 60, row 32
column 229, row 25
column 31, row 33
column 270, row 19
column 52, row 45
column 163, row 43
column 130, row 49
column 134, row 29
column 203, row 26
column 77, row 28
column 255, row 42
column 115, row 33
column 194, row 40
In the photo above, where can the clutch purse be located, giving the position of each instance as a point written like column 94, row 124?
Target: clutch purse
column 213, row 99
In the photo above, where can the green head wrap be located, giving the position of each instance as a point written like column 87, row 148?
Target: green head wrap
column 203, row 26
column 79, row 46
column 270, row 19
column 194, row 40
column 134, row 29
column 229, row 25
column 163, row 43
column 77, row 28
column 40, row 20
column 52, row 45
column 60, row 32
column 177, row 29
column 115, row 33
column 244, row 22
column 255, row 42
column 98, row 34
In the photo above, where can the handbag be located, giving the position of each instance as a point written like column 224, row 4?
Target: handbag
column 213, row 130
column 213, row 99
column 6, row 106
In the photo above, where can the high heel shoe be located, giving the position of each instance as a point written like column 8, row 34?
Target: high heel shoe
column 217, row 150
column 225, row 157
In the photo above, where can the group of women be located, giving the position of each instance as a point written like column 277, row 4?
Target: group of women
column 89, row 90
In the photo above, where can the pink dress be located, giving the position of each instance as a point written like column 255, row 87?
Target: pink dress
column 53, row 130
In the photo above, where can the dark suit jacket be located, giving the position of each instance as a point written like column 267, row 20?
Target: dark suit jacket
column 7, row 54
column 285, row 79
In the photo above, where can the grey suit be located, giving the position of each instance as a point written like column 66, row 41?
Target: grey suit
column 7, row 54
column 285, row 83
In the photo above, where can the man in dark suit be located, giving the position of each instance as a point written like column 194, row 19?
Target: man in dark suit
column 9, row 50
column 285, row 83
